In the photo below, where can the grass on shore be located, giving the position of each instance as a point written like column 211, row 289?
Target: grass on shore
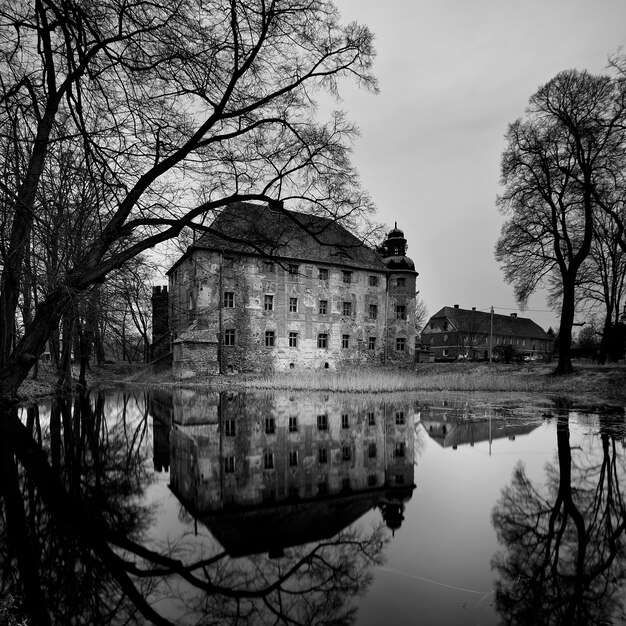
column 588, row 379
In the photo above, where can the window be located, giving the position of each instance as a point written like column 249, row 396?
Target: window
column 399, row 418
column 399, row 449
column 345, row 420
column 293, row 458
column 293, row 424
column 323, row 307
column 293, row 270
column 293, row 305
column 371, row 450
column 371, row 419
column 400, row 344
column 400, row 311
column 371, row 343
column 229, row 299
column 269, row 303
column 322, row 273
column 345, row 453
column 229, row 337
column 373, row 311
column 322, row 340
column 345, row 341
column 346, row 277
column 400, row 282
column 293, row 340
column 322, row 422
column 445, row 352
column 229, row 428
column 445, row 325
column 229, row 464
column 269, row 267
column 269, row 338
column 347, row 309
column 270, row 426
column 373, row 281
column 269, row 460
column 322, row 455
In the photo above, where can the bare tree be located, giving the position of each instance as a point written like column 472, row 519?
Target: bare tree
column 179, row 109
column 557, row 169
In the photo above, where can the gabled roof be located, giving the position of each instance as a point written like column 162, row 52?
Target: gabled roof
column 246, row 228
column 466, row 320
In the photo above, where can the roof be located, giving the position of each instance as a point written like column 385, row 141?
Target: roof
column 480, row 322
column 247, row 228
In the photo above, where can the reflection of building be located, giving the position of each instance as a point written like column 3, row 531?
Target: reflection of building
column 452, row 425
column 265, row 472
column 454, row 333
column 300, row 292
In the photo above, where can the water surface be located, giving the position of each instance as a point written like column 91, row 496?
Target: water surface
column 236, row 508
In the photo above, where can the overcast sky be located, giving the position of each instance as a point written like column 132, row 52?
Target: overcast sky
column 453, row 74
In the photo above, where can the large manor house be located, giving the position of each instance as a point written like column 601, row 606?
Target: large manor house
column 269, row 289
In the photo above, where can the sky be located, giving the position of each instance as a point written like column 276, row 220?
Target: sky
column 452, row 75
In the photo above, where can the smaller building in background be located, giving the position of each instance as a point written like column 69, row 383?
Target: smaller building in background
column 459, row 334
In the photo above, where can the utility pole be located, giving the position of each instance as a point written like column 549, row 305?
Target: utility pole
column 491, row 337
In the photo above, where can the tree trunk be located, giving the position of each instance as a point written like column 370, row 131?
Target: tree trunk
column 568, row 307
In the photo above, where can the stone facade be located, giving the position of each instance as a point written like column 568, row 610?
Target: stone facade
column 306, row 305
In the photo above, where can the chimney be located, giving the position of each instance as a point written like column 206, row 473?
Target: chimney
column 456, row 306
column 473, row 308
column 513, row 314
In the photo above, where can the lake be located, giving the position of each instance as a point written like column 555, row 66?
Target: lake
column 185, row 507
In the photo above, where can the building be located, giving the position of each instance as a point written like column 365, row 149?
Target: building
column 454, row 333
column 269, row 289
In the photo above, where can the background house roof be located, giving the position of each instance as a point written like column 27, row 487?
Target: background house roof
column 258, row 229
column 480, row 322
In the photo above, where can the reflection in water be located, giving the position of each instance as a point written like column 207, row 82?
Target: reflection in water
column 564, row 554
column 282, row 476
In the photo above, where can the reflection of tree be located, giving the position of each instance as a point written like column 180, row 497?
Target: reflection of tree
column 74, row 546
column 565, row 559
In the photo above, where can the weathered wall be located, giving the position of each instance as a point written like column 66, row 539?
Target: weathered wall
column 197, row 291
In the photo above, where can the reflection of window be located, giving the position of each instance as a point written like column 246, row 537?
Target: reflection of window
column 371, row 419
column 371, row 450
column 345, row 341
column 269, row 460
column 400, row 344
column 293, row 340
column 229, row 428
column 229, row 464
column 270, row 425
column 229, row 337
column 345, row 420
column 400, row 311
column 269, row 338
column 322, row 455
column 322, row 340
column 268, row 304
column 347, row 309
column 293, row 305
column 293, row 458
column 399, row 417
column 399, row 449
column 322, row 487
column 346, row 277
column 345, row 484
column 229, row 299
column 373, row 311
column 399, row 479
column 293, row 424
column 322, row 422
column 373, row 281
column 345, row 453
column 323, row 307
column 372, row 481
column 322, row 273
column 371, row 343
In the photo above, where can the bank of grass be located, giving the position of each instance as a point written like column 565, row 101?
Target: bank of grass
column 591, row 380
